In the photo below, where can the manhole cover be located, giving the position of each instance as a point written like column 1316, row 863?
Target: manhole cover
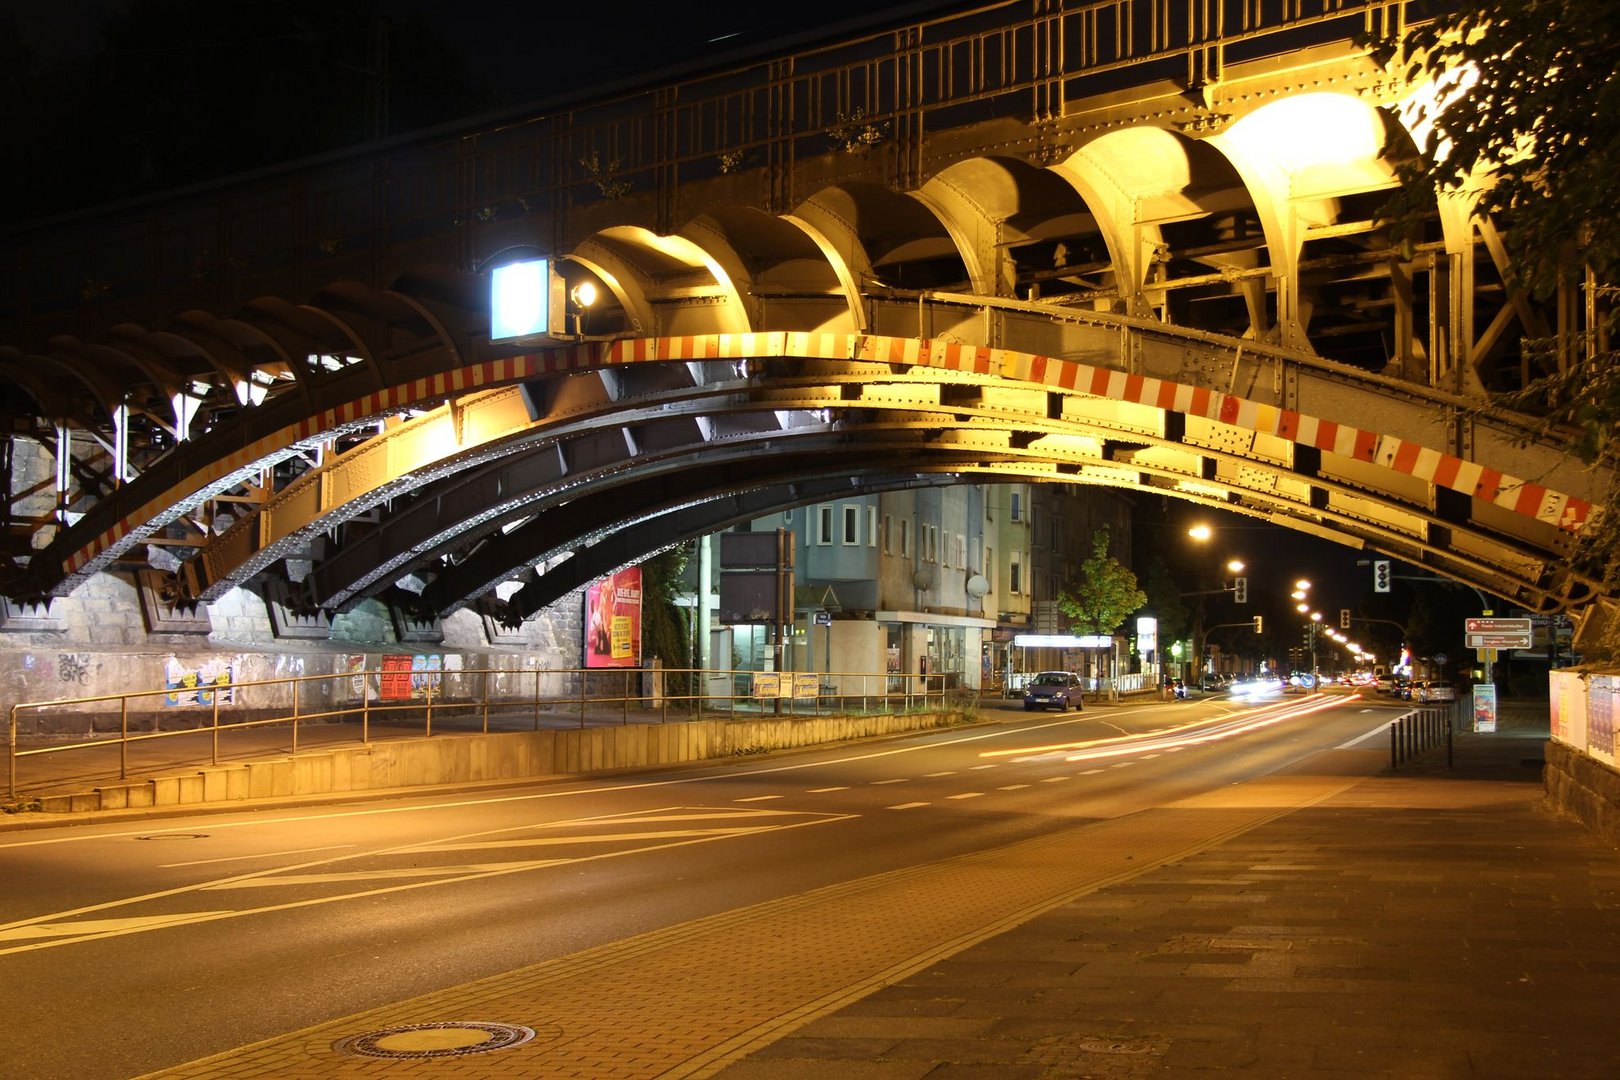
column 1108, row 1046
column 452, row 1039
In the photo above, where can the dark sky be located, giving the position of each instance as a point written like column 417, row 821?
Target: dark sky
column 539, row 49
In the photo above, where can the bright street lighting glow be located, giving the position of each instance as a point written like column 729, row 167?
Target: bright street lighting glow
column 1302, row 584
column 1236, row 565
column 1200, row 532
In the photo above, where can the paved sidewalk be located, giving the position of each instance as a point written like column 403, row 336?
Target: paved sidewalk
column 1421, row 924
column 1315, row 923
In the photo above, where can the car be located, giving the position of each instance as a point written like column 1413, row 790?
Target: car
column 1435, row 693
column 1054, row 690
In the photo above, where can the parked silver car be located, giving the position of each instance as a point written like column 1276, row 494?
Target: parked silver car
column 1054, row 690
column 1435, row 693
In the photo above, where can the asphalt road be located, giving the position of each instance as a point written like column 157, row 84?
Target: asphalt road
column 129, row 947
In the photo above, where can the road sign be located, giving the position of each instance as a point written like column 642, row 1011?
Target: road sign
column 1485, row 633
column 823, row 618
column 1497, row 626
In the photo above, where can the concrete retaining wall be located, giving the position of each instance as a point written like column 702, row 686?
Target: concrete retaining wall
column 457, row 759
column 1585, row 789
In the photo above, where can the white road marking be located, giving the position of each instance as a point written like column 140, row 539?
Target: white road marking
column 824, row 790
column 935, row 775
column 896, row 780
column 1013, row 787
column 966, row 795
column 261, row 855
column 1054, row 779
column 79, row 836
column 758, row 798
column 976, row 768
column 66, row 927
column 908, row 805
column 1091, row 772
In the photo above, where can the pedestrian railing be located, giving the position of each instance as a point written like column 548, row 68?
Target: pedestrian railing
column 422, row 702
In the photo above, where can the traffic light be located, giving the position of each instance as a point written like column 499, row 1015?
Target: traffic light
column 1381, row 575
column 1259, row 624
column 1240, row 590
column 1344, row 618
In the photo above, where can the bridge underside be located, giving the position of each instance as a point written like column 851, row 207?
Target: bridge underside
column 1182, row 292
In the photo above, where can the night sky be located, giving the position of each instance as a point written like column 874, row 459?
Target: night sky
column 539, row 50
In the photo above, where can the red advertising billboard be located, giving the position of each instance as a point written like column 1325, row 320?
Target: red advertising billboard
column 613, row 620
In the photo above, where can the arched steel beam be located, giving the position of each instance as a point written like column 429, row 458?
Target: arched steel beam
column 1150, row 346
column 625, row 546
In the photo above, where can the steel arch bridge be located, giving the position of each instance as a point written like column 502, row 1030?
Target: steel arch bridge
column 990, row 246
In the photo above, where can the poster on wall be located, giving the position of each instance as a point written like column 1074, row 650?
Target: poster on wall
column 198, row 684
column 1484, row 706
column 1601, row 691
column 613, row 620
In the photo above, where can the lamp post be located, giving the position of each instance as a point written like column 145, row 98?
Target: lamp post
column 1316, row 620
column 1238, row 587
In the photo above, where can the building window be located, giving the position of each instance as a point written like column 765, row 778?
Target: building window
column 852, row 524
column 871, row 527
column 888, row 534
column 930, row 543
column 989, row 567
column 1015, row 507
column 1015, row 574
column 905, row 538
column 961, row 551
column 824, row 524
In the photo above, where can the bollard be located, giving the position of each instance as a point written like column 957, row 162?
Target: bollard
column 1394, row 745
column 1448, row 742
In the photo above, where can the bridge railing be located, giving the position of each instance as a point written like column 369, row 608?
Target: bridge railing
column 156, row 729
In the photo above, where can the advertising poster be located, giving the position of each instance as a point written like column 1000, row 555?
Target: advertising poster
column 613, row 620
column 1600, row 695
column 1568, row 708
column 395, row 682
column 198, row 685
column 1485, row 707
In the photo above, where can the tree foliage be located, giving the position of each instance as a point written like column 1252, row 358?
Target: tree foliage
column 1164, row 601
column 665, row 629
column 1537, row 133
column 1105, row 593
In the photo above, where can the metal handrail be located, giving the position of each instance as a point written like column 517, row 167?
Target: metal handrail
column 686, row 692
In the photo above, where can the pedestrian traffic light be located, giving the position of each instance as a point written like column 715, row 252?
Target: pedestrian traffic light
column 1344, row 618
column 1381, row 575
column 1259, row 624
column 1240, row 590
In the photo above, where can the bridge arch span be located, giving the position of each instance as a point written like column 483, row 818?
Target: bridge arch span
column 983, row 408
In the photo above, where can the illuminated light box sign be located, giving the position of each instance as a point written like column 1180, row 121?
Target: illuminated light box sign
column 526, row 299
column 1063, row 641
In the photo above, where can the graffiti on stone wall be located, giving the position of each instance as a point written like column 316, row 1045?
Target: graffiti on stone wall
column 73, row 668
column 199, row 684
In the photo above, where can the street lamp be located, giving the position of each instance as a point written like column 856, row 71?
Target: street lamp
column 1316, row 620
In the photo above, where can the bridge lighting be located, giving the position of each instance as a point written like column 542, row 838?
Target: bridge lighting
column 583, row 295
column 525, row 300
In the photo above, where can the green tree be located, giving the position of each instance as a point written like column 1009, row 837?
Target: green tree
column 1536, row 137
column 1105, row 594
column 665, row 631
column 1164, row 601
